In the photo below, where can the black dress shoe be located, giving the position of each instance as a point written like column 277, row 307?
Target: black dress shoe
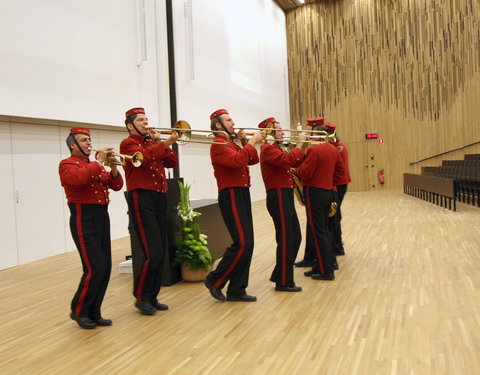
column 84, row 321
column 159, row 306
column 102, row 322
column 309, row 273
column 327, row 276
column 145, row 307
column 339, row 252
column 215, row 292
column 304, row 263
column 242, row 298
column 281, row 288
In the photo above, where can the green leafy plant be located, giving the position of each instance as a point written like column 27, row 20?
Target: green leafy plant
column 192, row 251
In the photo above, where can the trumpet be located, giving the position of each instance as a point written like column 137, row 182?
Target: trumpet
column 120, row 159
column 185, row 133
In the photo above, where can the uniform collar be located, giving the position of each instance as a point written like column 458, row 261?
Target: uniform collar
column 81, row 158
column 223, row 137
column 137, row 137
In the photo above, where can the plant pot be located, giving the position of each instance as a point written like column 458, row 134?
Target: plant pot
column 193, row 276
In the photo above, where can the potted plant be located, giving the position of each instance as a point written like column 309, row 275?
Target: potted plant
column 192, row 253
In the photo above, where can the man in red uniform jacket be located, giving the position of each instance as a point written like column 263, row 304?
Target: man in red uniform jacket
column 146, row 186
column 309, row 257
column 341, row 184
column 86, row 186
column 317, row 172
column 278, row 179
column 230, row 164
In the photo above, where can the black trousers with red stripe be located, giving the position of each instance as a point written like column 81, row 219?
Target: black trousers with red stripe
column 148, row 211
column 234, row 267
column 281, row 206
column 90, row 228
column 336, row 221
column 317, row 204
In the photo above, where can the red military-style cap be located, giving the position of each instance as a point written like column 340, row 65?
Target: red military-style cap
column 330, row 126
column 80, row 130
column 311, row 121
column 134, row 111
column 218, row 112
column 266, row 122
column 314, row 121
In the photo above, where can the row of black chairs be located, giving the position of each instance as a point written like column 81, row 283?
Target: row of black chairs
column 461, row 163
column 437, row 190
column 466, row 173
column 472, row 156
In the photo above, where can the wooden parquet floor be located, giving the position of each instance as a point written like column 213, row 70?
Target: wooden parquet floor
column 406, row 300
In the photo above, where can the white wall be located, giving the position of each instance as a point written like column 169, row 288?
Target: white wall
column 229, row 54
column 89, row 61
column 35, row 218
column 9, row 254
column 81, row 60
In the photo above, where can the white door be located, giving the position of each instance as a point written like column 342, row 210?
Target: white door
column 8, row 252
column 39, row 196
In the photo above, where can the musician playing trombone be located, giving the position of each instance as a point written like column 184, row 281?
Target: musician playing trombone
column 230, row 164
column 86, row 186
column 278, row 179
column 146, row 186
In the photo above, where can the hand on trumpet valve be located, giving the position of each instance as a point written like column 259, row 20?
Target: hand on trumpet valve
column 104, row 154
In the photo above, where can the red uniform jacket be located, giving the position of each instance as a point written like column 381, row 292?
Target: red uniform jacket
column 87, row 182
column 151, row 174
column 321, row 163
column 230, row 163
column 276, row 164
column 344, row 155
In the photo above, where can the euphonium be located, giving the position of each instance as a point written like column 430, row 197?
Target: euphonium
column 298, row 189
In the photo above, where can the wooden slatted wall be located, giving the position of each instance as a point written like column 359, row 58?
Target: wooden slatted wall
column 408, row 70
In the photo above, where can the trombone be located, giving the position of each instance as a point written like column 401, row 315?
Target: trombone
column 317, row 137
column 120, row 159
column 185, row 133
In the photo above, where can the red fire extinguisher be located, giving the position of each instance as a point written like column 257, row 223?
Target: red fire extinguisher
column 381, row 176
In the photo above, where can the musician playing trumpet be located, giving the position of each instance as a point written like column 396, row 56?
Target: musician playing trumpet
column 277, row 176
column 86, row 186
column 147, row 206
